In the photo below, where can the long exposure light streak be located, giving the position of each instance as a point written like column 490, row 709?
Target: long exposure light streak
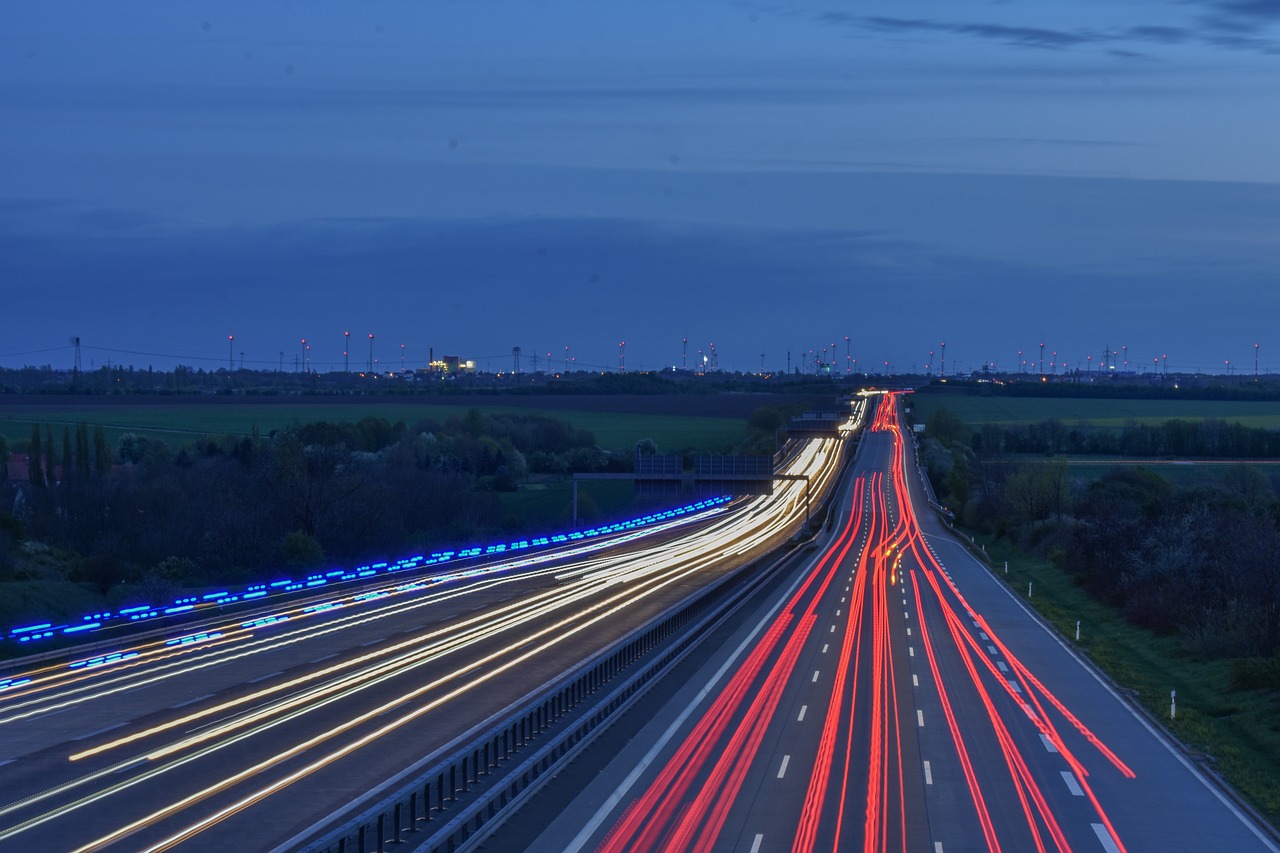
column 858, row 772
column 584, row 588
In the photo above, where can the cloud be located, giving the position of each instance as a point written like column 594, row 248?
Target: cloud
column 1038, row 37
column 1245, row 18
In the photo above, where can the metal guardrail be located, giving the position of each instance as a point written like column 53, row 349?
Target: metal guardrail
column 460, row 798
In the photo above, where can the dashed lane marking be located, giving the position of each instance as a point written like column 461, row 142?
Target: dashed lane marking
column 805, row 708
column 1072, row 784
column 1048, row 744
column 1108, row 843
column 782, row 771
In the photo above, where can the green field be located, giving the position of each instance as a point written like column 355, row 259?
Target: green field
column 182, row 423
column 979, row 409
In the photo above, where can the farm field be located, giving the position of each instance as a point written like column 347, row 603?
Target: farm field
column 979, row 409
column 709, row 423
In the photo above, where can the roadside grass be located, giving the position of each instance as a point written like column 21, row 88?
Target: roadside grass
column 1235, row 732
column 547, row 507
column 180, row 425
column 978, row 409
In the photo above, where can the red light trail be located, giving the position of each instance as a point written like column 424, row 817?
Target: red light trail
column 862, row 751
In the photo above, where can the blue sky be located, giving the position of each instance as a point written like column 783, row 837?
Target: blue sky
column 770, row 177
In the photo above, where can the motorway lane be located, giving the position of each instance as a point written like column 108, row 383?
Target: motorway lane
column 972, row 727
column 244, row 738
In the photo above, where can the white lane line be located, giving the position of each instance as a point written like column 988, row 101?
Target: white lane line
column 1002, row 666
column 101, row 731
column 837, row 612
column 334, row 655
column 904, row 602
column 911, row 650
column 755, row 845
column 782, row 771
column 833, row 629
column 920, row 718
column 1072, row 784
column 263, row 677
column 1015, row 686
column 1048, row 744
column 908, row 632
column 937, row 847
column 842, row 599
column 928, row 774
column 804, row 708
column 993, row 650
column 815, row 675
column 915, row 680
column 7, row 761
column 192, row 701
column 983, row 635
column 825, row 646
column 906, row 615
column 1108, row 843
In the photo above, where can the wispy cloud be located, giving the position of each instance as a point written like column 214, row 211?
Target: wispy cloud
column 1243, row 20
column 1021, row 36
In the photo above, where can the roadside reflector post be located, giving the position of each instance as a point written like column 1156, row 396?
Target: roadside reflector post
column 1173, row 704
column 1028, row 589
column 1077, row 630
column 1006, row 567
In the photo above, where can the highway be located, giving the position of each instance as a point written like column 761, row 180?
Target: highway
column 893, row 695
column 251, row 733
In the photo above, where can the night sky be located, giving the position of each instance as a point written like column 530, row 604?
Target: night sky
column 473, row 176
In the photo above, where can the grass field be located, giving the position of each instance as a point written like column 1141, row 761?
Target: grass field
column 979, row 409
column 178, row 424
column 1239, row 729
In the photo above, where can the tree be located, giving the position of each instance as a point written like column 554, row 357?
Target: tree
column 66, row 453
column 50, row 469
column 82, row 450
column 35, row 471
column 947, row 428
column 101, row 452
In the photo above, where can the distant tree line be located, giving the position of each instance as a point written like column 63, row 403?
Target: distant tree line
column 1200, row 562
column 228, row 508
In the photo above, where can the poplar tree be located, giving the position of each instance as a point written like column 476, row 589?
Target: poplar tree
column 50, row 457
column 101, row 451
column 66, row 454
column 35, row 473
column 83, row 464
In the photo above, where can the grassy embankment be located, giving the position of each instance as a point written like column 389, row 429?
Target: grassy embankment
column 1236, row 731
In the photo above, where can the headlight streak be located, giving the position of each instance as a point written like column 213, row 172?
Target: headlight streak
column 47, row 678
column 124, row 680
column 666, row 564
column 602, row 610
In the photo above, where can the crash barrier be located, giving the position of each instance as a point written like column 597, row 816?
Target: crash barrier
column 461, row 796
